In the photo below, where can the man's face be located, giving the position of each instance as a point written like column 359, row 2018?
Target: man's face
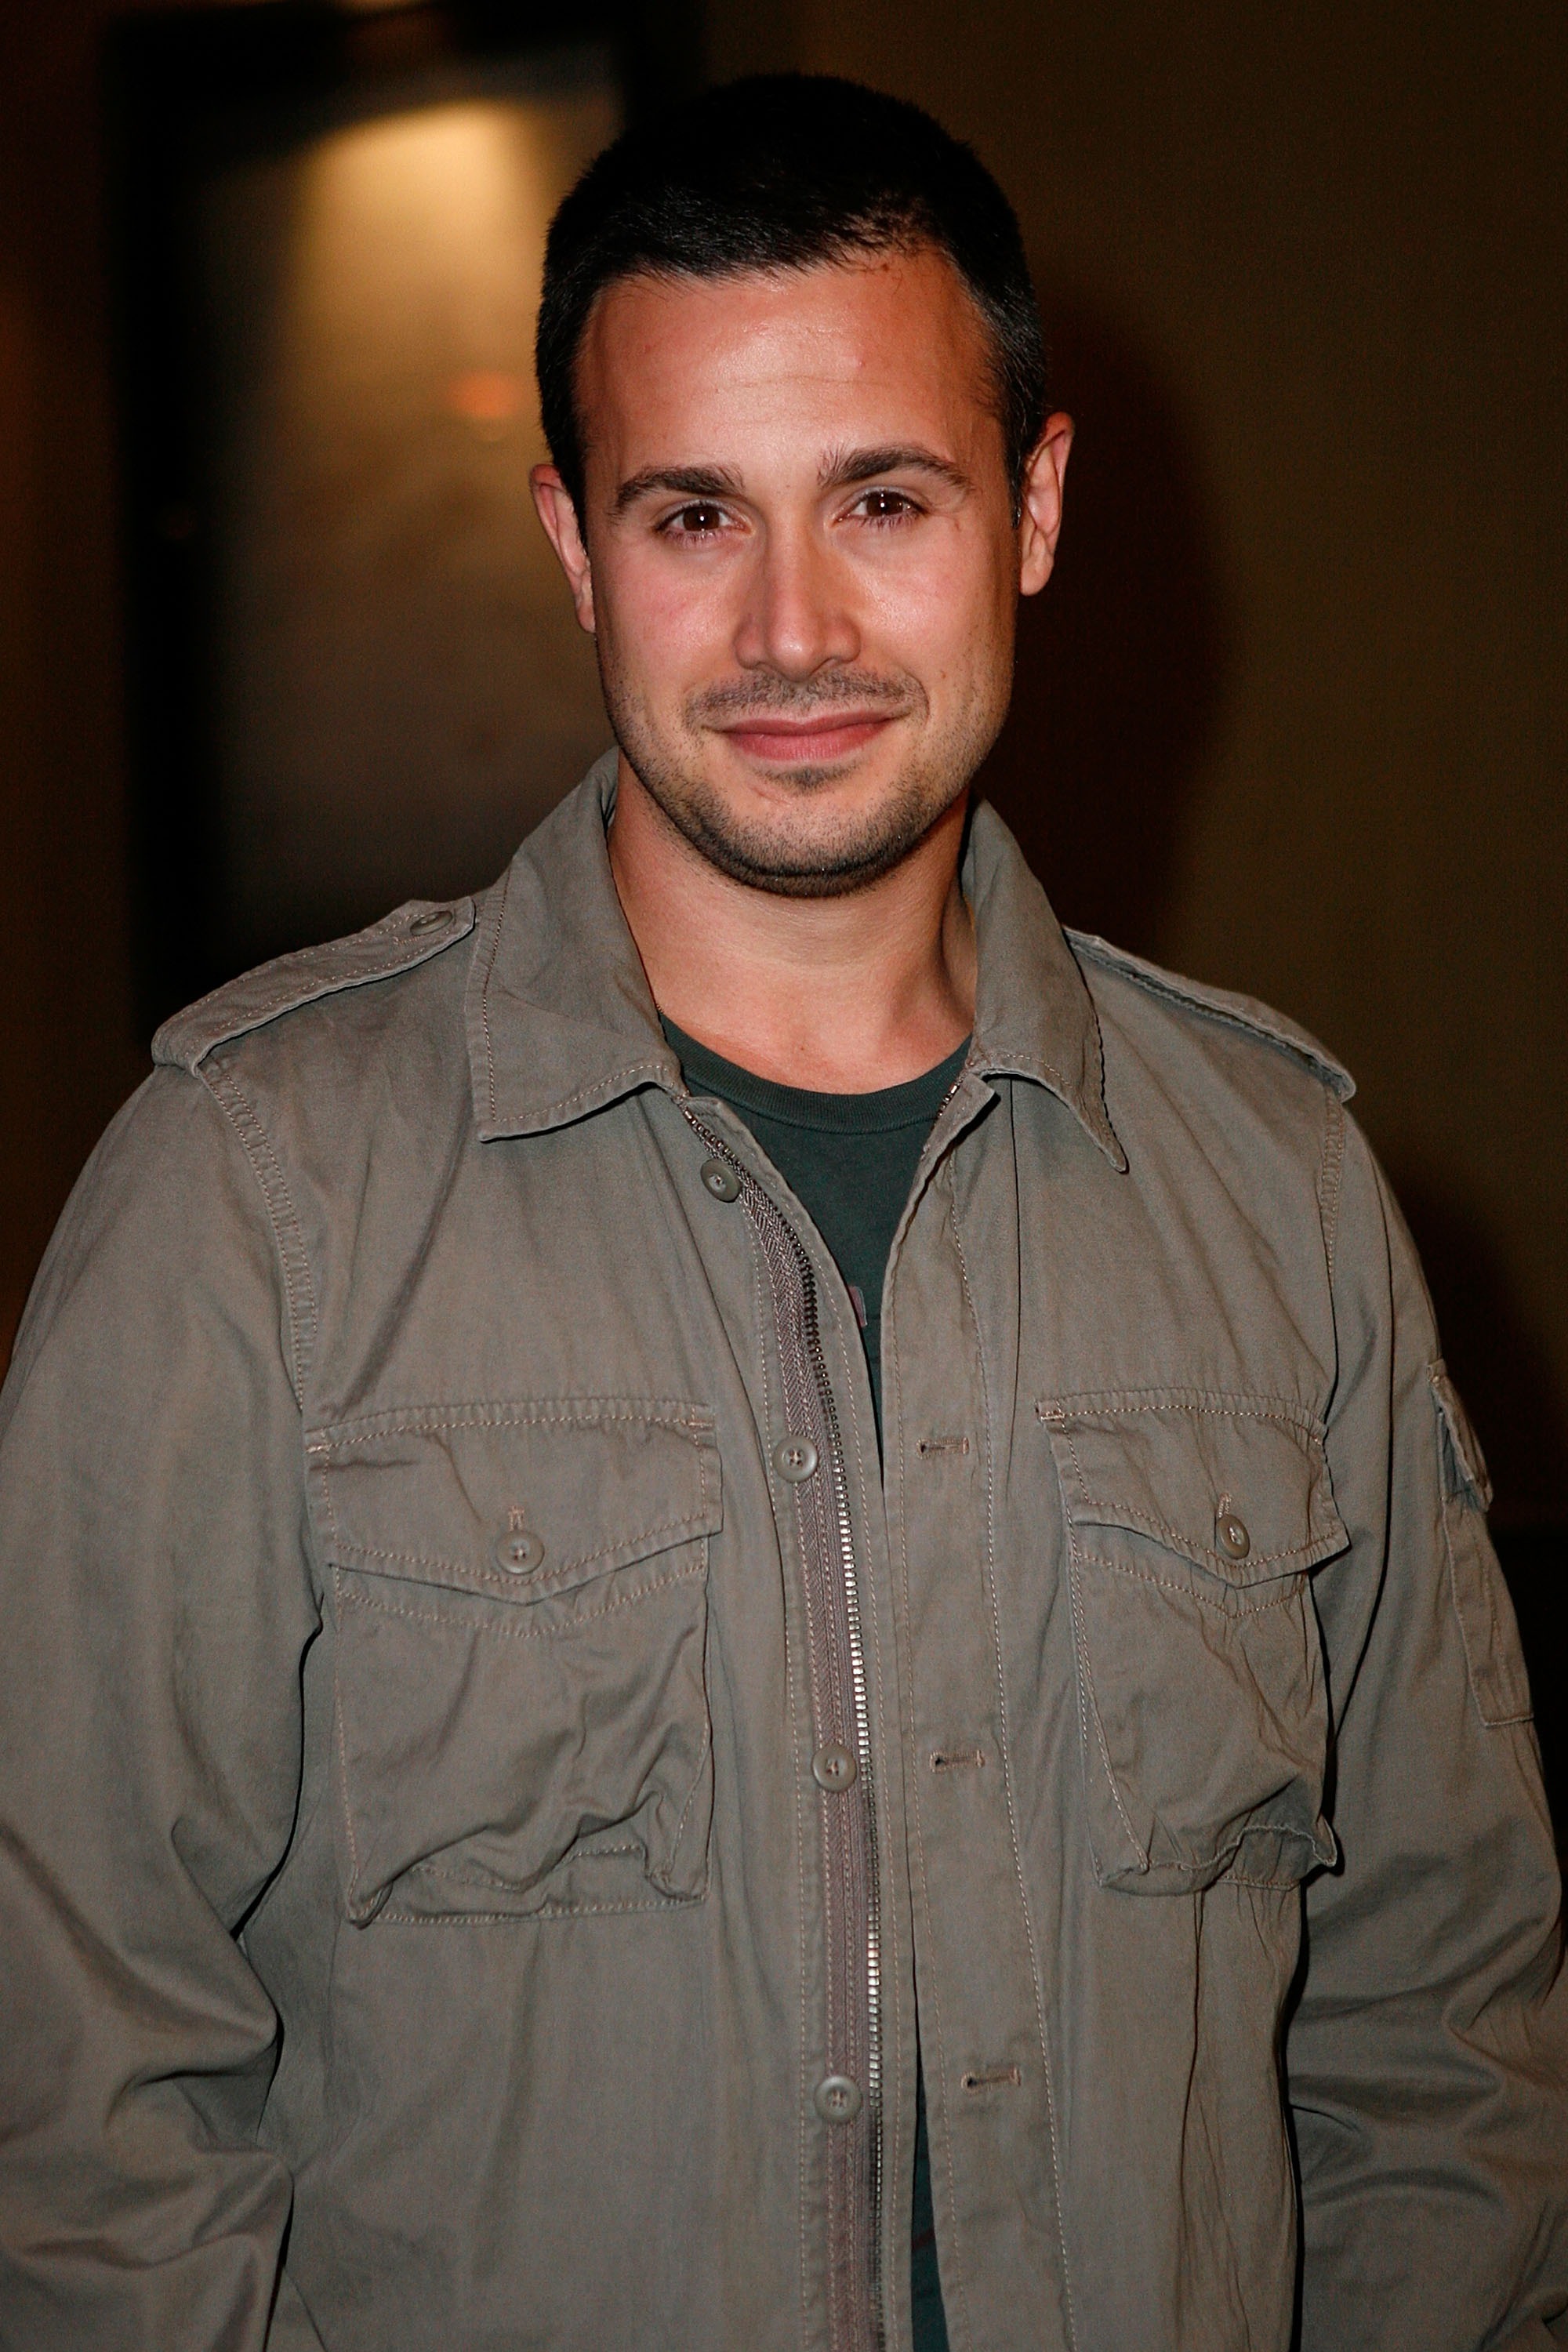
column 799, row 557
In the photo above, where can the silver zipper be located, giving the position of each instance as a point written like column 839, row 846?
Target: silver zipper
column 849, row 1818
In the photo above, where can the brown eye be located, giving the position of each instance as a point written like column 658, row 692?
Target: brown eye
column 885, row 506
column 697, row 521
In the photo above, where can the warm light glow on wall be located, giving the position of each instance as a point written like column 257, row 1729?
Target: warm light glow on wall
column 421, row 235
column 403, row 691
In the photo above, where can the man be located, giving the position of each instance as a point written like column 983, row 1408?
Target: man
column 737, row 1543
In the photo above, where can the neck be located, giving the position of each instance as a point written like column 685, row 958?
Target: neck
column 842, row 995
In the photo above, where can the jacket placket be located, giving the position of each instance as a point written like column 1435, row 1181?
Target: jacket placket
column 809, row 1460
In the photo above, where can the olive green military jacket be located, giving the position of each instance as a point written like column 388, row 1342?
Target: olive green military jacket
column 495, row 1766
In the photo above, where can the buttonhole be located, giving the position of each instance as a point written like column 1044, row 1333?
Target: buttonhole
column 857, row 1300
column 949, row 1759
column 993, row 2078
column 944, row 1446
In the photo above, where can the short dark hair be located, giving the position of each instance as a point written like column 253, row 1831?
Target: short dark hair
column 783, row 172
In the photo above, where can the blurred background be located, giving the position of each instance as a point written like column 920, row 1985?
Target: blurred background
column 280, row 644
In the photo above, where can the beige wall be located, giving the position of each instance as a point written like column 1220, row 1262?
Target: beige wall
column 1291, row 715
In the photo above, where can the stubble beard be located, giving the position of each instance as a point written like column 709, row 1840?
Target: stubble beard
column 805, row 860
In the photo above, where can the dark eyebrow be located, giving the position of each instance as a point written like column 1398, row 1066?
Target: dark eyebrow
column 687, row 481
column 839, row 473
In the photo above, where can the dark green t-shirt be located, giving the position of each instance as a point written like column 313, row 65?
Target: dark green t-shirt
column 850, row 1160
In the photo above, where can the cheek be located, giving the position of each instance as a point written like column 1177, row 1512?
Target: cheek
column 948, row 622
column 670, row 624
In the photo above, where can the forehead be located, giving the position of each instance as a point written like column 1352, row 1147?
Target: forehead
column 891, row 346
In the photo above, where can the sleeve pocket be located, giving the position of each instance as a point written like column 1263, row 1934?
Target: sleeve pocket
column 521, row 1627
column 1193, row 1523
column 1493, row 1657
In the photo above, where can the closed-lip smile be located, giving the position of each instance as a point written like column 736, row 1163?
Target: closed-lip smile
column 826, row 735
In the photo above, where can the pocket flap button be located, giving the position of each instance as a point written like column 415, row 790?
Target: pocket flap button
column 1233, row 1539
column 834, row 1767
column 836, row 2099
column 518, row 1552
column 719, row 1179
column 795, row 1459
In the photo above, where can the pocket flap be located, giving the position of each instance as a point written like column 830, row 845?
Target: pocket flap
column 1237, row 1484
column 516, row 1500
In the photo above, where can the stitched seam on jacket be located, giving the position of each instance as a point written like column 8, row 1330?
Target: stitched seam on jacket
column 344, row 1768
column 530, row 1918
column 1228, row 1404
column 1330, row 1174
column 520, row 1633
column 485, row 991
column 476, row 1874
column 532, row 1587
column 1227, row 1854
column 1176, row 1540
column 607, row 1085
column 1169, row 1584
column 321, row 1452
column 500, row 1412
column 360, row 956
column 1004, row 1744
column 1200, row 999
column 690, row 1797
column 1141, row 1523
column 264, row 1166
column 1087, row 1673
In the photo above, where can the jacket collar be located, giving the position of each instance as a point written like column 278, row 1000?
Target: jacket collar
column 561, row 1021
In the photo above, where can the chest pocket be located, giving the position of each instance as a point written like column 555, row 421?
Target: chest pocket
column 1192, row 1522
column 521, row 1603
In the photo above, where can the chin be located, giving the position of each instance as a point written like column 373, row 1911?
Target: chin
column 824, row 861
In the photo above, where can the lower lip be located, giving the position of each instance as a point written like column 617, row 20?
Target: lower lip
column 800, row 746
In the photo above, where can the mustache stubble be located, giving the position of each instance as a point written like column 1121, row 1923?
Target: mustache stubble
column 767, row 693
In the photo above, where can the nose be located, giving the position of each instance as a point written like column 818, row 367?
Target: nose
column 797, row 618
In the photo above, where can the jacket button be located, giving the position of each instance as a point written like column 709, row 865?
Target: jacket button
column 834, row 1767
column 836, row 2099
column 434, row 918
column 795, row 1459
column 517, row 1551
column 1234, row 1539
column 719, row 1179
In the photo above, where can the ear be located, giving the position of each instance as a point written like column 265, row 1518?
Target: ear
column 565, row 532
column 1041, row 520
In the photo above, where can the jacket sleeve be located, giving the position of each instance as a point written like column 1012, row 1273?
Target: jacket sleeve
column 1426, row 2059
column 155, row 1603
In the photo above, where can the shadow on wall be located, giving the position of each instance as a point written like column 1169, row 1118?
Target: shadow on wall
column 1121, row 662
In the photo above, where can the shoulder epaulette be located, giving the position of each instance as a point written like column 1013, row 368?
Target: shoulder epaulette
column 1220, row 1004
column 410, row 934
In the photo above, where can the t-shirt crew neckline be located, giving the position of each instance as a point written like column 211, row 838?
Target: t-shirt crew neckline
column 881, row 1112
